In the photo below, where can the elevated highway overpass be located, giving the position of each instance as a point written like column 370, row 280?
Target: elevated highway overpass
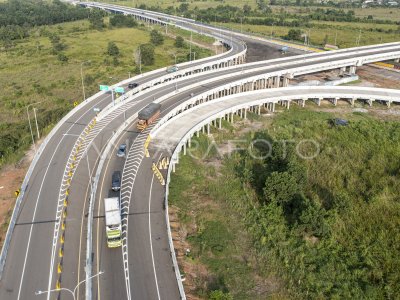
column 36, row 240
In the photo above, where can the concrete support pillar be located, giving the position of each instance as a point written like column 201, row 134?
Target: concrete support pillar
column 273, row 107
column 352, row 100
column 287, row 104
column 198, row 133
column 184, row 149
column 285, row 81
column 342, row 70
column 369, row 101
column 259, row 110
column 397, row 60
column 173, row 167
column 203, row 129
column 388, row 103
column 352, row 70
column 245, row 113
column 277, row 81
column 208, row 128
column 190, row 142
column 335, row 100
column 220, row 123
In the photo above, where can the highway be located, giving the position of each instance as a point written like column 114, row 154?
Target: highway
column 34, row 250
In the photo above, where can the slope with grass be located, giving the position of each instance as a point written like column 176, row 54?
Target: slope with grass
column 263, row 222
column 31, row 72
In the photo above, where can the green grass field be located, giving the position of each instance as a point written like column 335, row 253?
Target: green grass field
column 380, row 13
column 31, row 73
column 346, row 35
column 336, row 239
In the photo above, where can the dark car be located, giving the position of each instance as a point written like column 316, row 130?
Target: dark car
column 122, row 150
column 133, row 85
column 116, row 181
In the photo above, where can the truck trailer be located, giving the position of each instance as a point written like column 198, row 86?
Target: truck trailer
column 113, row 222
column 148, row 115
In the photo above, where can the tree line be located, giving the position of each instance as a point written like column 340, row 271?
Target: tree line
column 17, row 17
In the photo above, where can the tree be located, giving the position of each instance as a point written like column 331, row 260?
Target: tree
column 179, row 42
column 57, row 44
column 183, row 7
column 280, row 187
column 96, row 20
column 147, row 54
column 122, row 21
column 156, row 38
column 246, row 9
column 294, row 34
column 220, row 295
column 62, row 57
column 112, row 49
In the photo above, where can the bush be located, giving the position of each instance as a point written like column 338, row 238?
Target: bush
column 179, row 42
column 156, row 38
column 147, row 54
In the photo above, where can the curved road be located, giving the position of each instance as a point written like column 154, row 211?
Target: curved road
column 29, row 264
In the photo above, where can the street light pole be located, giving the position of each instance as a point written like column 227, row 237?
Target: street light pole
column 37, row 127
column 83, row 85
column 30, row 127
column 72, row 292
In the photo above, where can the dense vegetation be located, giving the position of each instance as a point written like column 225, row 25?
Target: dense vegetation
column 17, row 17
column 46, row 62
column 327, row 226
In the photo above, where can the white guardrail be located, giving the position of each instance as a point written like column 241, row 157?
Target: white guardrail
column 224, row 57
column 32, row 166
column 294, row 71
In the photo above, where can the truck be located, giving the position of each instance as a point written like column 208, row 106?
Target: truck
column 148, row 115
column 113, row 222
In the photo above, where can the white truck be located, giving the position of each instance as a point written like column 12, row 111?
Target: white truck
column 113, row 222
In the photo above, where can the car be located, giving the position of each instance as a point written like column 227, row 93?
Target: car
column 116, row 181
column 133, row 85
column 172, row 69
column 121, row 150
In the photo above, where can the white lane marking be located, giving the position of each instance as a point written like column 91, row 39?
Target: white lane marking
column 37, row 201
column 33, row 218
column 151, row 243
column 86, row 143
column 98, row 219
column 58, row 214
column 82, row 222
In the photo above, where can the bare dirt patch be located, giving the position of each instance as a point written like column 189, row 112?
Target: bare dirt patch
column 11, row 177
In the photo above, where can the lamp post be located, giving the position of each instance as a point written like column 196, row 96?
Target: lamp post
column 72, row 292
column 83, row 85
column 30, row 125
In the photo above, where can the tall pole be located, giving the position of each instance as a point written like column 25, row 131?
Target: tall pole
column 30, row 127
column 83, row 85
column 37, row 127
column 359, row 39
column 140, row 61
